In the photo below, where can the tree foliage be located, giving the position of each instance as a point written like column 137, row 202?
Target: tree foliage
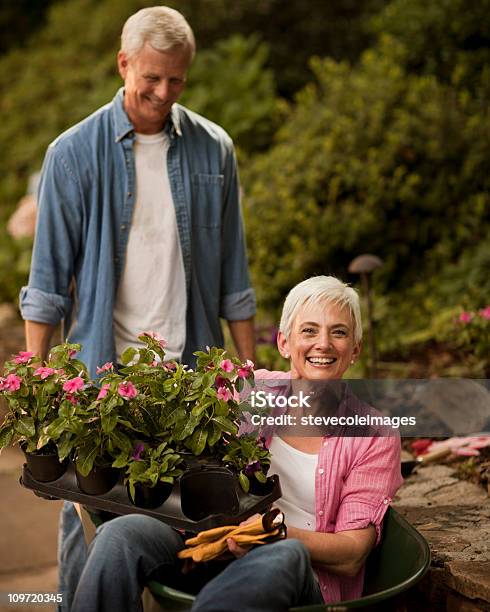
column 371, row 158
column 382, row 150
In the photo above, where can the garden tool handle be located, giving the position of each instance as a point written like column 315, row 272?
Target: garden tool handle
column 434, row 455
column 272, row 519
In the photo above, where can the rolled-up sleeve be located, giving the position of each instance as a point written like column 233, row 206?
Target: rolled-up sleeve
column 238, row 306
column 42, row 307
column 370, row 486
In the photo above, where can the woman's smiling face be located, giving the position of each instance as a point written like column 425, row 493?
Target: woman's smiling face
column 321, row 342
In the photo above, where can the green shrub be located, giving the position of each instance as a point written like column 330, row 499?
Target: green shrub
column 370, row 159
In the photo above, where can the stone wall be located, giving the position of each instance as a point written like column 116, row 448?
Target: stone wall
column 454, row 516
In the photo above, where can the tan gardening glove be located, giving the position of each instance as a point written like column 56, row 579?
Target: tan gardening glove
column 210, row 544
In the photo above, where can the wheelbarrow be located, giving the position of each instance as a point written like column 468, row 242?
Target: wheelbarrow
column 399, row 561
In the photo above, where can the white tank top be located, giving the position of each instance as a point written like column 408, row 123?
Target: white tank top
column 296, row 471
column 152, row 294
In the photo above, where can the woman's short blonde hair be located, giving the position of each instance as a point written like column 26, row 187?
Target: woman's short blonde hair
column 163, row 27
column 321, row 289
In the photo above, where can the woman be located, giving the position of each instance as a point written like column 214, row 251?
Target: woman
column 336, row 490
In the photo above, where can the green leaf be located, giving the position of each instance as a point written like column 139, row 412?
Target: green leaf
column 128, row 355
column 200, row 408
column 26, row 427
column 244, row 482
column 225, row 424
column 261, row 477
column 198, row 441
column 86, row 458
column 121, row 440
column 65, row 447
column 108, row 422
column 186, row 427
column 6, row 435
column 131, row 490
column 57, row 427
column 121, row 460
column 42, row 440
column 67, row 410
column 175, row 415
column 214, row 433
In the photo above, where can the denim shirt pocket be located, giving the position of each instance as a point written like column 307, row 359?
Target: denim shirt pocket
column 208, row 196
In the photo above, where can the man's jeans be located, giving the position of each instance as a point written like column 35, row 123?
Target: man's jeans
column 130, row 550
column 72, row 554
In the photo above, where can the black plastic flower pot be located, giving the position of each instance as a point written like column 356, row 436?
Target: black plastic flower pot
column 208, row 491
column 260, row 488
column 99, row 481
column 45, row 467
column 151, row 497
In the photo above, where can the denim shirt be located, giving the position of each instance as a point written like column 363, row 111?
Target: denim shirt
column 85, row 205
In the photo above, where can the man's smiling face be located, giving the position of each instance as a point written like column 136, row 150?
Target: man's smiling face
column 153, row 81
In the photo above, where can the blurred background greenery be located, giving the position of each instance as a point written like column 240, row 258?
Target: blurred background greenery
column 362, row 126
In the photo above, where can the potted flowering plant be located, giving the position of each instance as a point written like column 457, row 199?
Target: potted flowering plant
column 150, row 473
column 250, row 457
column 126, row 409
column 151, row 419
column 210, row 408
column 36, row 394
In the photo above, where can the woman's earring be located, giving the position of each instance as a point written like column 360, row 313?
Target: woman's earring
column 286, row 355
column 352, row 361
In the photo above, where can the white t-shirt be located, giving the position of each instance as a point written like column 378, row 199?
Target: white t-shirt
column 152, row 293
column 296, row 471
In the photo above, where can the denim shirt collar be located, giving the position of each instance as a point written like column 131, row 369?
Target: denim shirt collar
column 124, row 127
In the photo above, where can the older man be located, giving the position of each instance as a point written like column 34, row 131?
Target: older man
column 139, row 224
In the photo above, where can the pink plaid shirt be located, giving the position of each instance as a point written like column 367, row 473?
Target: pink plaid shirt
column 356, row 479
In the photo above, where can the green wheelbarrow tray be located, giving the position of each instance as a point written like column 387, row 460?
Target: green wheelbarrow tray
column 396, row 564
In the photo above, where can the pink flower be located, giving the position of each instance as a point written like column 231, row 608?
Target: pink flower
column 245, row 369
column 465, row 317
column 107, row 366
column 23, row 357
column 71, row 398
column 44, row 372
column 10, row 383
column 73, row 385
column 224, row 394
column 220, row 382
column 227, row 365
column 127, row 389
column 485, row 313
column 155, row 336
column 103, row 391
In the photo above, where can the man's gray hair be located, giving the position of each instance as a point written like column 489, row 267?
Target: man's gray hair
column 163, row 27
column 321, row 289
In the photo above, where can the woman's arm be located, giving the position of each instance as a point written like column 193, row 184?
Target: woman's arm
column 343, row 553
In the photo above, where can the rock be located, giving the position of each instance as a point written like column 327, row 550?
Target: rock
column 471, row 579
column 463, row 405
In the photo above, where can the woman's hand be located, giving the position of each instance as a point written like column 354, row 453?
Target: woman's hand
column 240, row 551
column 236, row 550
